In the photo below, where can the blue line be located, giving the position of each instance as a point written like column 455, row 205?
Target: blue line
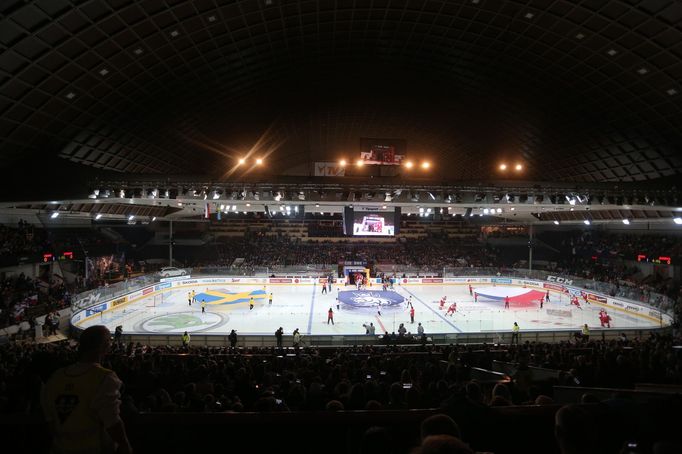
column 312, row 303
column 427, row 306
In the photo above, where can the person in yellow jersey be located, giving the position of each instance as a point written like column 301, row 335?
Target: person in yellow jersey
column 189, row 298
column 251, row 303
column 81, row 401
column 586, row 333
column 203, row 305
column 185, row 339
column 194, row 296
column 270, row 299
column 515, row 333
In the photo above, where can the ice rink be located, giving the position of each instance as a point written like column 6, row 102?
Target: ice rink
column 306, row 307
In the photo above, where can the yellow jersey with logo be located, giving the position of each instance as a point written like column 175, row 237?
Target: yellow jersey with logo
column 68, row 399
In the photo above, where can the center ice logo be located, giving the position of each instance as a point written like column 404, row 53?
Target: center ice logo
column 370, row 299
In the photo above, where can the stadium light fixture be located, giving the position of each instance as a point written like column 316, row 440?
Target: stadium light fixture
column 426, row 165
column 98, row 217
column 677, row 220
column 241, row 161
column 259, row 161
column 383, row 207
column 503, row 166
column 359, row 163
column 409, row 164
column 342, row 163
column 587, row 222
column 131, row 217
column 626, row 221
column 518, row 167
column 54, row 215
column 153, row 218
column 556, row 222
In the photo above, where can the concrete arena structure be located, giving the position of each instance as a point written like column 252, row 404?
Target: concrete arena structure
column 160, row 312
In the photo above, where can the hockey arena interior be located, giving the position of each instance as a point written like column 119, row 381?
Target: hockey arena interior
column 316, row 226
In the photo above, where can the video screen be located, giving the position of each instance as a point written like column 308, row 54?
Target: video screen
column 373, row 224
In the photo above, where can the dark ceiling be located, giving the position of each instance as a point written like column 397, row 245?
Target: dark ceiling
column 578, row 90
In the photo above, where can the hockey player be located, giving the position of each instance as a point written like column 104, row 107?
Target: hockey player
column 442, row 303
column 471, row 290
column 475, row 297
column 251, row 303
column 506, row 302
column 452, row 309
column 411, row 314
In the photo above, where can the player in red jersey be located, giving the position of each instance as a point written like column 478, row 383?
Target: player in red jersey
column 452, row 309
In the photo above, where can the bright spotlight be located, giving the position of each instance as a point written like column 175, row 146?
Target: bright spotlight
column 99, row 216
column 503, row 166
column 342, row 163
column 259, row 161
column 131, row 217
column 54, row 215
column 359, row 163
column 242, row 161
column 587, row 222
column 426, row 165
column 677, row 221
column 518, row 167
column 626, row 221
column 409, row 164
column 556, row 222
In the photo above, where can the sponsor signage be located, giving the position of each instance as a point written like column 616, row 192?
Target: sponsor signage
column 88, row 300
column 558, row 288
column 630, row 308
column 329, row 169
column 559, row 313
column 432, row 280
column 500, row 280
column 530, row 283
column 575, row 292
column 560, row 280
column 280, row 280
column 120, row 300
column 76, row 318
column 596, row 298
column 147, row 291
column 617, row 303
column 456, row 279
column 162, row 286
column 655, row 314
column 95, row 309
column 134, row 295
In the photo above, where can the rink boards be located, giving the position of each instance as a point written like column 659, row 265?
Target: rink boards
column 300, row 304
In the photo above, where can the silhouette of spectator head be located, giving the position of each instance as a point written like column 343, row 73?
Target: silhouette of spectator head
column 94, row 343
column 444, row 444
column 575, row 430
column 439, row 424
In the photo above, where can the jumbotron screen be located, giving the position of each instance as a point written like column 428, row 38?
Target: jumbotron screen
column 368, row 223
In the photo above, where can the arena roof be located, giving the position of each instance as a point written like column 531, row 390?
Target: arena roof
column 583, row 90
